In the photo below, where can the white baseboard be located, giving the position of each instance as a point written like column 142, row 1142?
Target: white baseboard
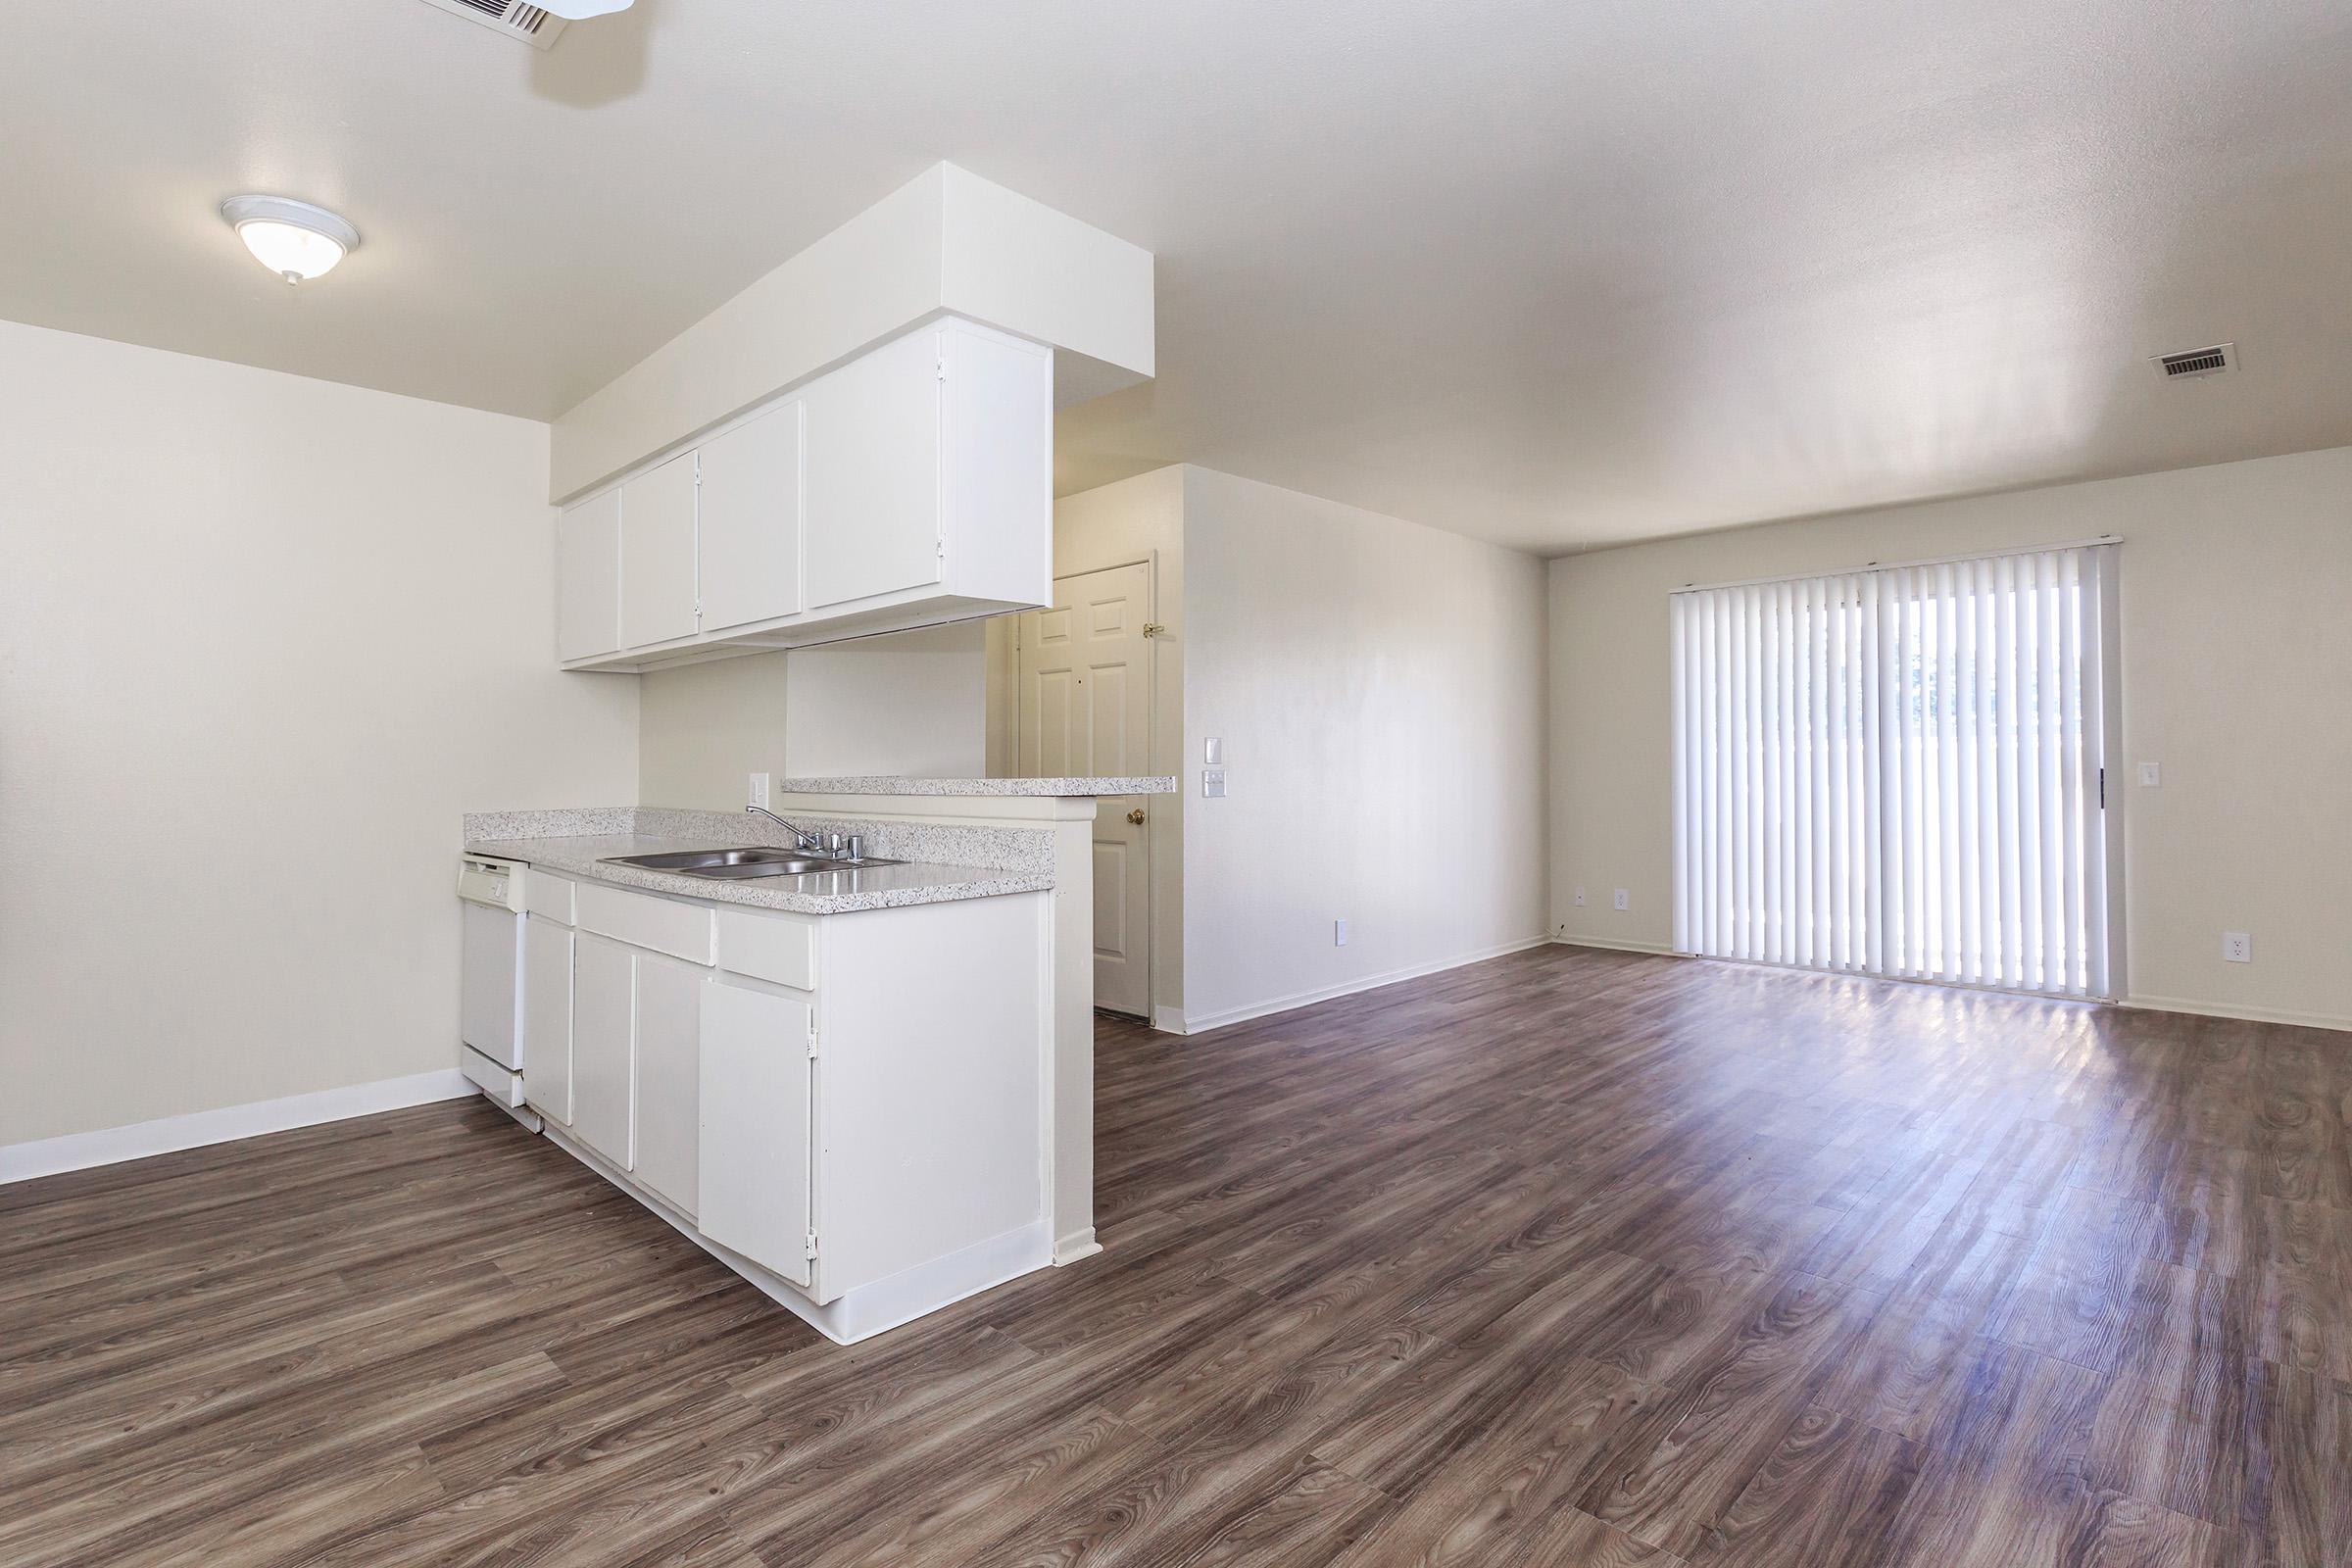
column 110, row 1145
column 1075, row 1246
column 1373, row 982
column 1658, row 949
column 1168, row 1020
column 2216, row 1009
column 924, row 1288
column 2143, row 1003
column 872, row 1309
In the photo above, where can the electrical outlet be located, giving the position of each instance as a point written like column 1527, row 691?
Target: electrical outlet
column 1339, row 933
column 2151, row 774
column 2237, row 947
column 1580, row 902
column 762, row 784
column 1623, row 899
column 1213, row 783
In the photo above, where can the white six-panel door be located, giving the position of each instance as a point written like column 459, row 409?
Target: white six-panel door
column 1084, row 708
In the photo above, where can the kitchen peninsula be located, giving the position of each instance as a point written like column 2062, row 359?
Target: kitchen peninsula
column 869, row 1090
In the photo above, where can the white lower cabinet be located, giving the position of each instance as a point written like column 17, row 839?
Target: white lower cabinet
column 667, row 1016
column 894, row 1161
column 547, row 1017
column 602, row 1067
column 614, row 1047
column 755, row 1126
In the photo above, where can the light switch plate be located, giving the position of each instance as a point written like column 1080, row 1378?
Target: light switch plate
column 762, row 784
column 1339, row 932
column 1212, row 784
column 1212, row 750
column 2151, row 774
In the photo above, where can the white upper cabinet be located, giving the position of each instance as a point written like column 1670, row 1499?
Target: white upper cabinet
column 909, row 487
column 588, row 579
column 749, row 540
column 873, row 474
column 657, row 555
column 995, row 459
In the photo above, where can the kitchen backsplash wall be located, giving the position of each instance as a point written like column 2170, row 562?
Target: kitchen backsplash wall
column 912, row 703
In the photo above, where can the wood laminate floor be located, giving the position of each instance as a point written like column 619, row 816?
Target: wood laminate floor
column 1570, row 1258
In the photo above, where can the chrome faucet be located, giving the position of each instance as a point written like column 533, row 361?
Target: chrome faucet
column 799, row 840
column 830, row 846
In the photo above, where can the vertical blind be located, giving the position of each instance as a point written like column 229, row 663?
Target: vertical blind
column 1899, row 771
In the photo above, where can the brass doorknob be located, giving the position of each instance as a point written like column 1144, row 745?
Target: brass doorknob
column 1136, row 816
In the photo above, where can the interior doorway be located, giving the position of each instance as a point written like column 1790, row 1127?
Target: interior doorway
column 1082, row 706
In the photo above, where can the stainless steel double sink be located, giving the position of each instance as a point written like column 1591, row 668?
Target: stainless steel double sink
column 740, row 864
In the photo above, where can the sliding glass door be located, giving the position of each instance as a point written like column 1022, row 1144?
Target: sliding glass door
column 1902, row 772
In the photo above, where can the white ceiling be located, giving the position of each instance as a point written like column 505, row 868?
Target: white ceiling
column 1559, row 273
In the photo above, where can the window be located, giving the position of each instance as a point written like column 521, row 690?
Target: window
column 1902, row 772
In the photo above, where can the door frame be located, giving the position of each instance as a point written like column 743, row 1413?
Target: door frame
column 1149, row 559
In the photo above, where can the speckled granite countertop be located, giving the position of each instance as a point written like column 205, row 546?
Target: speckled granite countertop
column 578, row 843
column 891, row 784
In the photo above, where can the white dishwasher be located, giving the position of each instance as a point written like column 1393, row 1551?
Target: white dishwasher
column 490, row 989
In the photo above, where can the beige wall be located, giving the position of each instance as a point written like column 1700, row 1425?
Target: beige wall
column 263, row 640
column 704, row 728
column 1379, row 687
column 910, row 702
column 2236, row 583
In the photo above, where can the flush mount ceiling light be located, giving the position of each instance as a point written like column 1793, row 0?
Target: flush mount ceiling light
column 537, row 25
column 293, row 239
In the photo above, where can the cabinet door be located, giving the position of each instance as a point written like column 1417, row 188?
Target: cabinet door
column 603, row 1007
column 755, row 1126
column 748, row 520
column 588, row 578
column 547, row 1017
column 997, row 466
column 657, row 555
column 669, row 1050
column 873, row 473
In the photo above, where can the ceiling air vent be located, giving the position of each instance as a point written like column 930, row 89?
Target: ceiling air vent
column 513, row 17
column 2197, row 361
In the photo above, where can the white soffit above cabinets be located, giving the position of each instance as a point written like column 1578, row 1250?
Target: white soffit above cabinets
column 1553, row 274
column 946, row 241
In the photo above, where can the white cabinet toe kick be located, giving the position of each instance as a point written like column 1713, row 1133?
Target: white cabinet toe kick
column 847, row 1109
